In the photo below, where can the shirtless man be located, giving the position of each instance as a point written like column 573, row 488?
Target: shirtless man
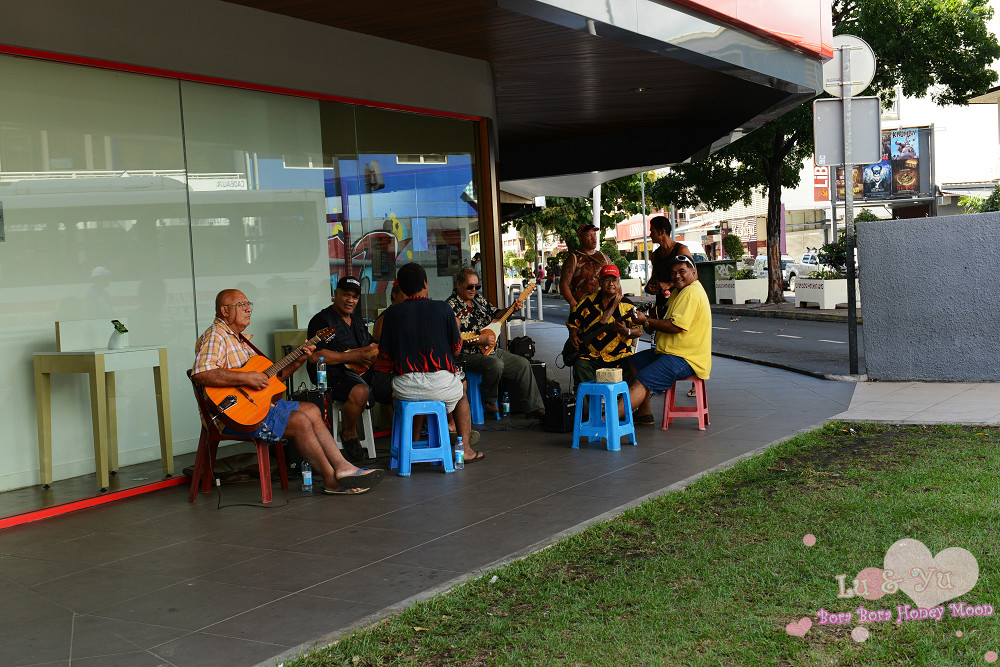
column 579, row 271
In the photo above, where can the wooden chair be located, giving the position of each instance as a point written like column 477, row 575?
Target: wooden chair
column 208, row 445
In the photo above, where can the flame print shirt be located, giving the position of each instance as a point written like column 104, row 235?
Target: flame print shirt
column 420, row 336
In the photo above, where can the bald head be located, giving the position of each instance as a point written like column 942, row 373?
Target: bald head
column 225, row 297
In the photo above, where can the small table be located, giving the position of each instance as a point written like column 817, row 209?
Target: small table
column 101, row 365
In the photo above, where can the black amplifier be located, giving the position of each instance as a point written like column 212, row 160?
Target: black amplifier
column 560, row 412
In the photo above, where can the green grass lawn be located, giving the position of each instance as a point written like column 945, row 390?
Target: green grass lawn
column 711, row 575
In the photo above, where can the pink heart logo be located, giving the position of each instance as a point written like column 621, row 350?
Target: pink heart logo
column 931, row 580
column 800, row 628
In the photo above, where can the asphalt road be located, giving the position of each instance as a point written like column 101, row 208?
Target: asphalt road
column 818, row 348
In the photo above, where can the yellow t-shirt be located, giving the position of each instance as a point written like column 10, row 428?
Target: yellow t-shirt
column 689, row 310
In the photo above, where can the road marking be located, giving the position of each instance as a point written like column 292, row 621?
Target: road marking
column 787, row 336
column 753, row 332
column 722, row 328
column 839, row 342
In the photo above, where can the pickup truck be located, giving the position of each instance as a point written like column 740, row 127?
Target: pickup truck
column 810, row 262
column 760, row 268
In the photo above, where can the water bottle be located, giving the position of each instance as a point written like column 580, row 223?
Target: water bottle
column 459, row 454
column 321, row 375
column 505, row 404
column 307, row 477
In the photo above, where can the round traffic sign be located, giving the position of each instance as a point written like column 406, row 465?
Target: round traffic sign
column 862, row 60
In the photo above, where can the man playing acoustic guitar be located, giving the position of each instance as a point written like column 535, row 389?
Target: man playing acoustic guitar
column 219, row 354
column 605, row 322
column 349, row 357
column 474, row 313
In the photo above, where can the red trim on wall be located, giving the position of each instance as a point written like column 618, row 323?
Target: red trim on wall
column 66, row 508
column 231, row 83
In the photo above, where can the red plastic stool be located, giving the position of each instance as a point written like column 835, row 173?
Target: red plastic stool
column 672, row 411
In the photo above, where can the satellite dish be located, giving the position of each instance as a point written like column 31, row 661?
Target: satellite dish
column 862, row 66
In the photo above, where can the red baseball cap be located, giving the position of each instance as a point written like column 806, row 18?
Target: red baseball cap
column 609, row 270
column 586, row 227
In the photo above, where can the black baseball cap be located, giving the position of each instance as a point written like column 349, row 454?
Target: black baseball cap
column 349, row 283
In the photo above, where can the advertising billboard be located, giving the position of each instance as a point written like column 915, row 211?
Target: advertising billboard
column 904, row 172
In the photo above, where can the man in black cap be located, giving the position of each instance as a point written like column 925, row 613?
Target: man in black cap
column 579, row 271
column 349, row 356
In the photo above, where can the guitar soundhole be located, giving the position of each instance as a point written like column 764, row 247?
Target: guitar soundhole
column 227, row 402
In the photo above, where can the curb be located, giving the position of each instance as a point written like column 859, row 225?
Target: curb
column 773, row 364
column 796, row 314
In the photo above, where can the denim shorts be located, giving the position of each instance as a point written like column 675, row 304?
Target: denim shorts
column 658, row 372
column 274, row 424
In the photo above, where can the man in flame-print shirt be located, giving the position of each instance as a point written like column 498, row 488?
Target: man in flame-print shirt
column 419, row 341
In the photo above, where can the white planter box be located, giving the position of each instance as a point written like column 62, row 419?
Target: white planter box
column 824, row 294
column 741, row 291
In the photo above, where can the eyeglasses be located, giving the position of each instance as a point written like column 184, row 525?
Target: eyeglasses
column 475, row 287
column 248, row 305
column 683, row 258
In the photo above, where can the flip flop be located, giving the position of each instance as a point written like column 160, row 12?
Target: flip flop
column 478, row 457
column 359, row 481
column 344, row 491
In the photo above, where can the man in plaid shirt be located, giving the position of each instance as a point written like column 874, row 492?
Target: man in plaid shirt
column 223, row 348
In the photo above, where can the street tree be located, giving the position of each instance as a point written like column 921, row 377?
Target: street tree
column 939, row 45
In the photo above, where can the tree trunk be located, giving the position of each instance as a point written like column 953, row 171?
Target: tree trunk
column 775, row 287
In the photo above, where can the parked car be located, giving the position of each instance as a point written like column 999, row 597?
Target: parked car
column 639, row 269
column 810, row 262
column 760, row 268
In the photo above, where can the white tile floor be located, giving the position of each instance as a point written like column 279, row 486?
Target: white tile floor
column 925, row 403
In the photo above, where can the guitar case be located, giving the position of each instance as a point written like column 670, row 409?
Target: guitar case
column 522, row 346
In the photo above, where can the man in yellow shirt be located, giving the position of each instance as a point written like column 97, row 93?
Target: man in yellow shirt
column 683, row 337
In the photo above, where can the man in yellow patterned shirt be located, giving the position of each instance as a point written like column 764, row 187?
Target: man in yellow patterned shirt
column 683, row 337
column 602, row 345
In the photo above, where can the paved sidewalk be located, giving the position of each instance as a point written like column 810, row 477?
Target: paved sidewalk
column 154, row 580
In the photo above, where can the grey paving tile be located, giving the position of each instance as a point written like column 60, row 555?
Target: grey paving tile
column 189, row 559
column 97, row 588
column 374, row 543
column 132, row 659
column 32, row 641
column 200, row 649
column 384, row 584
column 293, row 620
column 290, row 571
column 30, row 571
column 191, row 605
column 21, row 604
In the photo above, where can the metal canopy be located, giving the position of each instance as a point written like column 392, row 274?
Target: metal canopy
column 581, row 101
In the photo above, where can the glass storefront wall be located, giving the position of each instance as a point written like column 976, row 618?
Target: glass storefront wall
column 139, row 198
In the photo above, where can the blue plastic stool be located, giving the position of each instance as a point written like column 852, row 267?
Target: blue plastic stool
column 473, row 380
column 406, row 451
column 607, row 426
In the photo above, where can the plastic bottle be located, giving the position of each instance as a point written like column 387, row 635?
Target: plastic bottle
column 307, row 477
column 321, row 375
column 505, row 405
column 459, row 454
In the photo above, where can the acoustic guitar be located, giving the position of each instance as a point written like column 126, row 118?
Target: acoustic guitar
column 243, row 408
column 492, row 330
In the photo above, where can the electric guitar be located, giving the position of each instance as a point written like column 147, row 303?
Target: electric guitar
column 243, row 408
column 492, row 330
column 571, row 354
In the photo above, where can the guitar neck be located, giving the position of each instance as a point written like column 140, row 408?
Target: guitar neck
column 289, row 358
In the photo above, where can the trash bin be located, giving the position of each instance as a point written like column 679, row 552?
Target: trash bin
column 707, row 273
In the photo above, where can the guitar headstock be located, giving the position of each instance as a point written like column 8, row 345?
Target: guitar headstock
column 326, row 335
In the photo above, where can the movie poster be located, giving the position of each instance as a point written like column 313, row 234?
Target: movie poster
column 904, row 151
column 878, row 180
column 858, row 189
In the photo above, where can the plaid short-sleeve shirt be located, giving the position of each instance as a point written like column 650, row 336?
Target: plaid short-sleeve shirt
column 220, row 347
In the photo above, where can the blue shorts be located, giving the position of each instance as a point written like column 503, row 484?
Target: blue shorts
column 658, row 372
column 274, row 424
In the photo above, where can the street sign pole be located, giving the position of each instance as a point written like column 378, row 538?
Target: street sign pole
column 645, row 243
column 852, row 303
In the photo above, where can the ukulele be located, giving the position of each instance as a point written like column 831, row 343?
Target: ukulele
column 571, row 354
column 492, row 330
column 243, row 408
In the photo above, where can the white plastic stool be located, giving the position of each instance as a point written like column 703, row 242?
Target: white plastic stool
column 368, row 441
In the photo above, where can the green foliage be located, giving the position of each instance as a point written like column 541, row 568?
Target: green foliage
column 826, row 274
column 991, row 203
column 834, row 255
column 971, row 204
column 513, row 260
column 733, row 246
column 610, row 249
column 866, row 216
column 743, row 274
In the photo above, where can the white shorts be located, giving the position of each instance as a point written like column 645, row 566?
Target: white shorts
column 437, row 386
